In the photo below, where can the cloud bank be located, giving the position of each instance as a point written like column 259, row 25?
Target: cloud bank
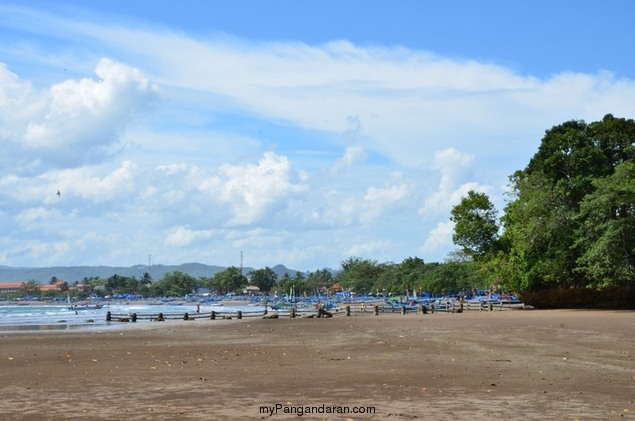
column 195, row 148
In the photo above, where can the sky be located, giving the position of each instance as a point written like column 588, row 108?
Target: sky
column 300, row 133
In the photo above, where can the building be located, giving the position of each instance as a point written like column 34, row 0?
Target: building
column 10, row 287
column 14, row 286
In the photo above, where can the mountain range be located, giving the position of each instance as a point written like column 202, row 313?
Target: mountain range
column 77, row 273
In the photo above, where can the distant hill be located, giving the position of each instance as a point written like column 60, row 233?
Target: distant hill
column 77, row 273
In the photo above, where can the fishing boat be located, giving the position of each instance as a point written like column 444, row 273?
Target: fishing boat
column 86, row 306
column 83, row 306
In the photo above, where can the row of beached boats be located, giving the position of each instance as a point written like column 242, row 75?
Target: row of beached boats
column 330, row 302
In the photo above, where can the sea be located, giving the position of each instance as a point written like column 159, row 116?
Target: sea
column 53, row 317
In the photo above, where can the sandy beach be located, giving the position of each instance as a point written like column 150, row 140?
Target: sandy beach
column 506, row 365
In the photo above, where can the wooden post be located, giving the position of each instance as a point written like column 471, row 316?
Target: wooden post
column 376, row 310
column 108, row 316
column 160, row 318
column 490, row 307
column 212, row 315
column 403, row 309
column 133, row 317
column 292, row 312
column 240, row 315
column 431, row 308
column 186, row 316
column 348, row 310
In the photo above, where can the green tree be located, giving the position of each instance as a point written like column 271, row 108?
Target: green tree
column 118, row 284
column 545, row 226
column 296, row 285
column 360, row 275
column 319, row 280
column 144, row 284
column 475, row 224
column 228, row 280
column 607, row 235
column 540, row 231
column 176, row 284
column 264, row 279
column 451, row 276
column 30, row 288
column 397, row 278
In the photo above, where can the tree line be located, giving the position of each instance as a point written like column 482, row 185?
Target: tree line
column 358, row 275
column 570, row 218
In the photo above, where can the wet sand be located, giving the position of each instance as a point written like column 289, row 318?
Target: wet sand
column 506, row 365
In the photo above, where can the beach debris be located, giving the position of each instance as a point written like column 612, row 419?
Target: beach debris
column 272, row 315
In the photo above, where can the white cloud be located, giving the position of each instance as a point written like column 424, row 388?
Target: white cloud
column 377, row 200
column 184, row 236
column 253, row 190
column 439, row 238
column 39, row 216
column 73, row 122
column 372, row 248
column 454, row 167
column 352, row 156
column 101, row 189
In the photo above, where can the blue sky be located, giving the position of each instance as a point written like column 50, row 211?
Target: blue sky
column 297, row 132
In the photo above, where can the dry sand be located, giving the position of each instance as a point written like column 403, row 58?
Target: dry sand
column 505, row 365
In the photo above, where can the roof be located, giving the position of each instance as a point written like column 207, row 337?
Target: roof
column 18, row 284
column 13, row 284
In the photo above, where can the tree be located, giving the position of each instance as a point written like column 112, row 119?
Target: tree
column 295, row 285
column 451, row 276
column 230, row 279
column 146, row 279
column 30, row 288
column 608, row 230
column 539, row 234
column 118, row 284
column 475, row 229
column 176, row 284
column 397, row 278
column 551, row 226
column 319, row 280
column 264, row 279
column 360, row 275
